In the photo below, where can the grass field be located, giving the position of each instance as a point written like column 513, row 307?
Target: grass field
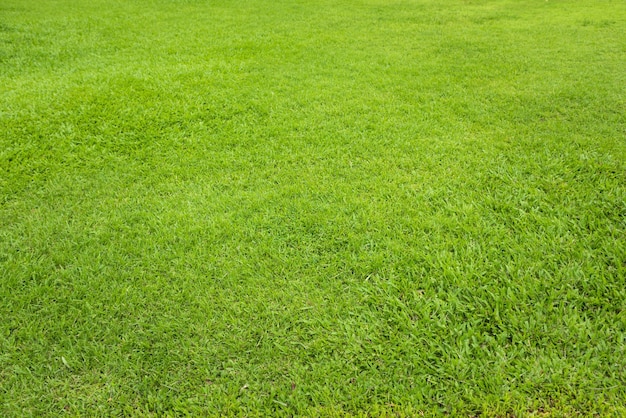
column 313, row 207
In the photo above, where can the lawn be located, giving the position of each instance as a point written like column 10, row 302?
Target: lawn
column 312, row 207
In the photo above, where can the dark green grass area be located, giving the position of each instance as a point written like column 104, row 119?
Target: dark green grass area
column 313, row 208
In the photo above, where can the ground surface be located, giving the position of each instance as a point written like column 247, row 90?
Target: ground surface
column 312, row 207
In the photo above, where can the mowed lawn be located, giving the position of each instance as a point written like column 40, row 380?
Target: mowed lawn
column 312, row 207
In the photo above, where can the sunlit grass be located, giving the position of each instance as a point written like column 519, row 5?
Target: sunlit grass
column 312, row 207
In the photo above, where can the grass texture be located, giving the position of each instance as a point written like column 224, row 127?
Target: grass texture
column 312, row 207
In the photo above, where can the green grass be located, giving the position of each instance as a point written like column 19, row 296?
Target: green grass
column 313, row 208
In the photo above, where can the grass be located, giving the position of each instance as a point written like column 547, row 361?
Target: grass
column 313, row 208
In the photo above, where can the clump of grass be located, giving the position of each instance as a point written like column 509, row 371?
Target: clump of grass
column 312, row 208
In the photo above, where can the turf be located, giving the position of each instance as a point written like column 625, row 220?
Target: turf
column 313, row 208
